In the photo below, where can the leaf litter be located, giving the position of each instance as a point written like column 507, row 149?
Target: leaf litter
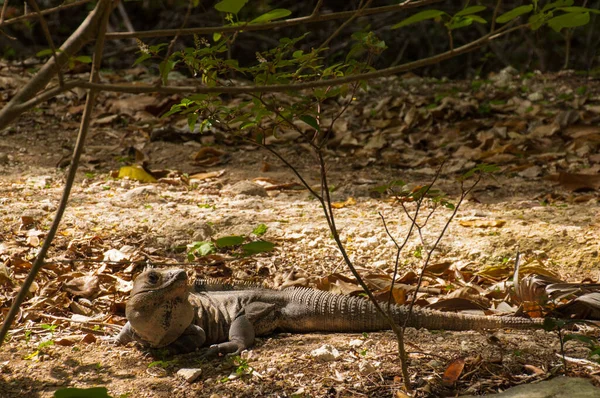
column 543, row 204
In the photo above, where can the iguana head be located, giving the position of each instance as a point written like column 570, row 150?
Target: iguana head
column 158, row 308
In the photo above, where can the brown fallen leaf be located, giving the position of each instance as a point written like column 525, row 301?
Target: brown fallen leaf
column 209, row 156
column 87, row 286
column 75, row 338
column 534, row 370
column 207, row 175
column 453, row 372
column 579, row 182
column 482, row 223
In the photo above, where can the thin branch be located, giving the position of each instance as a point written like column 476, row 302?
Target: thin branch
column 317, row 9
column 463, row 195
column 103, row 8
column 44, row 12
column 34, row 5
column 3, row 14
column 267, row 26
column 356, row 14
column 176, row 37
column 86, row 32
column 496, row 9
column 84, row 322
column 143, row 88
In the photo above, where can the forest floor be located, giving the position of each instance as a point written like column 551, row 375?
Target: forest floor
column 541, row 130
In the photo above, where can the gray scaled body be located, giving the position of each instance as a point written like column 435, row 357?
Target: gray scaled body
column 163, row 311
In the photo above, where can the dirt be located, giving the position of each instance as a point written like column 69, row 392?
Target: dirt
column 555, row 228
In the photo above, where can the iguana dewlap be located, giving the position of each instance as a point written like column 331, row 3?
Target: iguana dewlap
column 164, row 312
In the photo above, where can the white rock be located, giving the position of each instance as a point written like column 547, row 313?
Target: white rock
column 356, row 343
column 366, row 368
column 141, row 192
column 189, row 374
column 325, row 353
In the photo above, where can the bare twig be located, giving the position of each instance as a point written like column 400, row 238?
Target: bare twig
column 496, row 9
column 317, row 9
column 44, row 12
column 98, row 323
column 34, row 5
column 17, row 105
column 464, row 193
column 142, row 88
column 86, row 32
column 103, row 9
column 356, row 14
column 3, row 14
column 313, row 18
column 176, row 37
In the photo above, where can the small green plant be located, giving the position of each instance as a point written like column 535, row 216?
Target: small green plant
column 591, row 344
column 260, row 230
column 237, row 244
column 418, row 253
column 94, row 392
column 163, row 364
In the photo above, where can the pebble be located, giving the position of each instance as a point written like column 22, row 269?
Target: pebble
column 247, row 188
column 325, row 353
column 189, row 374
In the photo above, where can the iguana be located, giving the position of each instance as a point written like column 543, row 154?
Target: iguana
column 163, row 311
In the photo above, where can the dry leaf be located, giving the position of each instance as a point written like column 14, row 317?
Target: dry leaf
column 579, row 182
column 136, row 173
column 87, row 286
column 349, row 202
column 453, row 372
column 206, row 176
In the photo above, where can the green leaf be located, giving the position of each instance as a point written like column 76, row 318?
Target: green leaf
column 192, row 119
column 478, row 19
column 165, row 67
column 579, row 337
column 420, row 16
column 514, row 13
column 460, row 23
column 217, row 36
column 84, row 59
column 229, row 241
column 579, row 9
column 311, row 121
column 559, row 3
column 470, row 10
column 231, row 6
column 142, row 58
column 203, row 248
column 272, row 15
column 94, row 392
column 570, row 20
column 260, row 230
column 259, row 246
column 44, row 53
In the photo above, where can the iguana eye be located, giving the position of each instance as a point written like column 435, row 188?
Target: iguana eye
column 153, row 278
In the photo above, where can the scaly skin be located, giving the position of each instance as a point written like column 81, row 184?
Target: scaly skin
column 163, row 312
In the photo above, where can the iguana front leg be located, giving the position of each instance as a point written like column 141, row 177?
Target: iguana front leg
column 242, row 330
column 241, row 336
